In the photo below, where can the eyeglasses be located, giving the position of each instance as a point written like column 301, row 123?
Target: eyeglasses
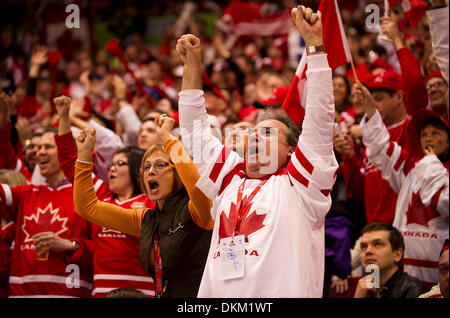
column 439, row 84
column 118, row 164
column 159, row 166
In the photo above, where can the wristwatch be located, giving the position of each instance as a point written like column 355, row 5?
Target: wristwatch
column 315, row 49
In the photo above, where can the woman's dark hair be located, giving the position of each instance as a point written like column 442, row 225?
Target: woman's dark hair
column 134, row 156
column 346, row 103
column 105, row 121
column 395, row 236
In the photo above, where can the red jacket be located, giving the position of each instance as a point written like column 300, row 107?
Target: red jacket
column 116, row 262
column 43, row 208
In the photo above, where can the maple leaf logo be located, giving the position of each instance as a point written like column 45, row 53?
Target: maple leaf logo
column 420, row 214
column 248, row 224
column 46, row 220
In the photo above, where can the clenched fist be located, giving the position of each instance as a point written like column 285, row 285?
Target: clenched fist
column 189, row 49
column 164, row 126
column 308, row 25
column 86, row 143
column 62, row 104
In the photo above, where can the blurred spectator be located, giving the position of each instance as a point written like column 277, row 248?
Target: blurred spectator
column 382, row 245
column 7, row 231
column 421, row 210
column 441, row 289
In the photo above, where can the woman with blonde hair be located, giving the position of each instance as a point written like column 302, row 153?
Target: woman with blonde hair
column 175, row 235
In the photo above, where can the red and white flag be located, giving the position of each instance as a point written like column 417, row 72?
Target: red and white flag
column 414, row 10
column 255, row 19
column 336, row 46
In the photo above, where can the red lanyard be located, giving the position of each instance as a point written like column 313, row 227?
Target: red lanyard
column 158, row 264
column 243, row 204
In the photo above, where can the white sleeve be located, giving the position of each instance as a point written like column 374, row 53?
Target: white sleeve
column 387, row 156
column 439, row 37
column 314, row 162
column 433, row 178
column 106, row 146
column 213, row 160
column 131, row 124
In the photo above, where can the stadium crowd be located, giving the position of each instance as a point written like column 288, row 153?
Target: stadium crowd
column 212, row 162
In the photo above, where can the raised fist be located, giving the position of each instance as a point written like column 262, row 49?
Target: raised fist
column 62, row 104
column 86, row 143
column 189, row 49
column 164, row 126
column 308, row 25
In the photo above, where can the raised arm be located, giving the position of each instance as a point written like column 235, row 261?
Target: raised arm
column 313, row 158
column 387, row 156
column 67, row 152
column 438, row 16
column 199, row 204
column 86, row 202
column 126, row 115
column 416, row 93
column 213, row 160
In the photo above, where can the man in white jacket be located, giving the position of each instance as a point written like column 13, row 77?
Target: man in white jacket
column 269, row 208
column 422, row 207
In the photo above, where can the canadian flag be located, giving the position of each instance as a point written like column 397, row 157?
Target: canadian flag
column 253, row 19
column 336, row 45
column 414, row 10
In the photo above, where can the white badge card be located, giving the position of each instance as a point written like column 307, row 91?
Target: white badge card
column 232, row 257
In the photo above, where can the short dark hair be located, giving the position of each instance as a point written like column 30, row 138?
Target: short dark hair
column 126, row 292
column 134, row 155
column 52, row 130
column 395, row 236
column 293, row 131
column 382, row 89
column 436, row 123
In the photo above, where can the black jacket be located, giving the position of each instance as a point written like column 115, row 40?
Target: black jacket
column 184, row 246
column 402, row 285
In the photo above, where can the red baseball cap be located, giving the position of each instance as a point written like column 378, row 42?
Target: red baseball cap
column 276, row 99
column 246, row 111
column 436, row 73
column 386, row 80
column 426, row 114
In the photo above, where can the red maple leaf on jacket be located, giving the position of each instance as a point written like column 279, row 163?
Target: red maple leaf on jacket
column 246, row 225
column 419, row 213
column 46, row 220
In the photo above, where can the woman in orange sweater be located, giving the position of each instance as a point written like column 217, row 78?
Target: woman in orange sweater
column 175, row 236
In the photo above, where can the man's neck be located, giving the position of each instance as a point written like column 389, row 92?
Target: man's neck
column 386, row 275
column 397, row 120
column 55, row 179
